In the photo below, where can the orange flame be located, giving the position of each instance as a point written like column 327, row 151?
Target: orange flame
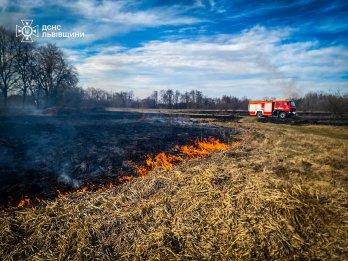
column 200, row 149
column 24, row 202
column 124, row 179
column 85, row 189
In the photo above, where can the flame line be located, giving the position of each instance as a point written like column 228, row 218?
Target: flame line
column 200, row 148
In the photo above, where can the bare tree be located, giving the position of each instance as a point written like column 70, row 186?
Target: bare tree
column 25, row 66
column 154, row 96
column 53, row 74
column 176, row 97
column 8, row 77
column 170, row 97
column 199, row 99
column 186, row 99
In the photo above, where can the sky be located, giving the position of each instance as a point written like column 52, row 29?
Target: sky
column 242, row 48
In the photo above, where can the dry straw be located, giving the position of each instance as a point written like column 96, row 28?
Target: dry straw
column 280, row 195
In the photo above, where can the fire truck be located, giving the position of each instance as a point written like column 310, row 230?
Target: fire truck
column 278, row 108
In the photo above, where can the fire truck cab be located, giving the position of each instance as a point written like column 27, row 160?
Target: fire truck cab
column 278, row 108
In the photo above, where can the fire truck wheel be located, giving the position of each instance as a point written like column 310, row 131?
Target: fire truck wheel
column 282, row 115
column 259, row 114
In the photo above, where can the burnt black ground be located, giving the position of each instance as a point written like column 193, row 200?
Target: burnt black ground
column 40, row 153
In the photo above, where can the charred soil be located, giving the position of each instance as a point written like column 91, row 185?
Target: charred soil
column 40, row 154
column 280, row 194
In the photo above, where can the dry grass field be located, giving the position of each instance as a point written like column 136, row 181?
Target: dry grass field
column 281, row 194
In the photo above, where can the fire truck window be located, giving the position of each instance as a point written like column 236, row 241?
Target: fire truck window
column 279, row 103
column 286, row 103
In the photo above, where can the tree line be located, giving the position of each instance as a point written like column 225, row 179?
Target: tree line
column 335, row 103
column 166, row 98
column 41, row 76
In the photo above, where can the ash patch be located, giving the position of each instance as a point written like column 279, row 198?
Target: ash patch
column 39, row 154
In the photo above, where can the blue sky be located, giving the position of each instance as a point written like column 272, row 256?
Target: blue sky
column 240, row 48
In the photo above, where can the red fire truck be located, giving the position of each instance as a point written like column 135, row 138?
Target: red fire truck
column 279, row 108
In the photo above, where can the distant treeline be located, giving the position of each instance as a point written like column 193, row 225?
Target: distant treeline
column 194, row 99
column 41, row 77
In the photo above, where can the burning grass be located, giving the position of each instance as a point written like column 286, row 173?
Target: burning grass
column 199, row 149
column 40, row 154
column 281, row 194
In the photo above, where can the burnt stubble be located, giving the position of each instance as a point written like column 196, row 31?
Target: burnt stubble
column 42, row 153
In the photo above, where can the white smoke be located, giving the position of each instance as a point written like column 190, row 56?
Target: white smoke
column 65, row 178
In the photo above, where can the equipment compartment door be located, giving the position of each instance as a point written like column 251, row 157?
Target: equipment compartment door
column 268, row 108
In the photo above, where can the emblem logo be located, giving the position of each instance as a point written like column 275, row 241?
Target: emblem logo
column 27, row 31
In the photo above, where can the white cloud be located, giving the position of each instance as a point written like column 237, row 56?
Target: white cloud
column 100, row 20
column 123, row 12
column 97, row 19
column 253, row 63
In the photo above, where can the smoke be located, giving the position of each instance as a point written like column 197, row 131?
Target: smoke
column 64, row 176
column 39, row 154
column 290, row 89
column 38, row 143
column 287, row 85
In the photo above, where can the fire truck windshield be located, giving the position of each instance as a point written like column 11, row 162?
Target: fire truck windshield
column 292, row 103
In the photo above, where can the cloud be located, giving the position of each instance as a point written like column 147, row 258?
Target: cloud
column 125, row 13
column 251, row 63
column 220, row 47
column 98, row 19
column 101, row 20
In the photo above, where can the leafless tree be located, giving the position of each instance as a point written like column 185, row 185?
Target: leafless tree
column 8, row 74
column 154, row 96
column 53, row 74
column 25, row 67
